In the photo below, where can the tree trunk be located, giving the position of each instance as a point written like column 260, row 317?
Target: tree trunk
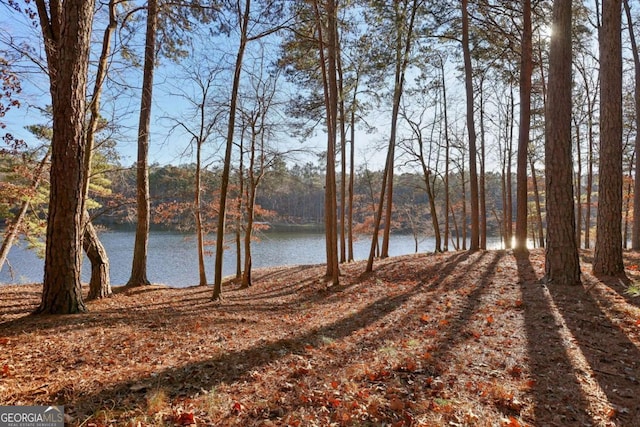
column 446, row 158
column 509, row 175
column 589, row 187
column 403, row 49
column 456, row 244
column 536, row 192
column 343, row 155
column 434, row 213
column 607, row 257
column 352, row 172
column 139, row 265
column 67, row 36
column 331, row 222
column 561, row 257
column 198, row 215
column 635, row 235
column 100, row 284
column 241, row 190
column 463, row 221
column 578, row 185
column 505, row 202
column 473, row 173
column 251, row 202
column 482, row 178
column 627, row 203
column 226, row 170
column 526, row 69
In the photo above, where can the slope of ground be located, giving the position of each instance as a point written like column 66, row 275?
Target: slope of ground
column 459, row 339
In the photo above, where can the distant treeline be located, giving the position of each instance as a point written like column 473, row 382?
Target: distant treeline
column 291, row 196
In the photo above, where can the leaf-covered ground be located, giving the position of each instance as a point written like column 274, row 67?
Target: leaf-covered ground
column 460, row 339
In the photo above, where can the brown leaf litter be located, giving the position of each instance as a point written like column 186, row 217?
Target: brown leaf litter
column 456, row 339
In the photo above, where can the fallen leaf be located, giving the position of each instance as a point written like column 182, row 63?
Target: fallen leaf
column 511, row 422
column 396, row 404
column 185, row 419
column 236, row 408
column 515, row 371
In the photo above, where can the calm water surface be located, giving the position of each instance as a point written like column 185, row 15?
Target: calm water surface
column 172, row 257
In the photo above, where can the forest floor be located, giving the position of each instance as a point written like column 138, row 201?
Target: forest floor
column 457, row 339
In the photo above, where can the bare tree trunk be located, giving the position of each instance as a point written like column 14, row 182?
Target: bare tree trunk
column 241, row 191
column 100, row 284
column 433, row 211
column 464, row 207
column 635, row 235
column 457, row 231
column 526, row 69
column 607, row 257
column 473, row 174
column 328, row 69
column 66, row 30
column 589, row 187
column 505, row 201
column 482, row 178
column 246, row 276
column 627, row 203
column 343, row 156
column 446, row 157
column 403, row 49
column 139, row 265
column 509, row 186
column 226, row 170
column 197, row 202
column 352, row 172
column 561, row 258
column 536, row 192
column 333, row 270
column 578, row 185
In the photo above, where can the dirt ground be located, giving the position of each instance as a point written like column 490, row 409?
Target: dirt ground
column 458, row 339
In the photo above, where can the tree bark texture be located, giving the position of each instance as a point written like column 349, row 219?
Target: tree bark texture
column 474, row 244
column 332, row 124
column 561, row 256
column 100, row 283
column 635, row 234
column 608, row 250
column 66, row 29
column 139, row 264
column 526, row 69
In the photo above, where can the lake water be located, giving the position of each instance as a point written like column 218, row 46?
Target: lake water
column 172, row 257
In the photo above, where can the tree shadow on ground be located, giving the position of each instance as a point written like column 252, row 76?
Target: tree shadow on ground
column 234, row 365
column 564, row 324
column 614, row 359
column 557, row 394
